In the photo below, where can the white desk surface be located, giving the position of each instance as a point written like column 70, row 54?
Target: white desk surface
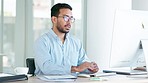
column 110, row 79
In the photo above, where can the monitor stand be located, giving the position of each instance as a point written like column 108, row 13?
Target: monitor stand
column 144, row 44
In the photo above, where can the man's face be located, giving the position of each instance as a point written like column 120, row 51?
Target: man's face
column 63, row 23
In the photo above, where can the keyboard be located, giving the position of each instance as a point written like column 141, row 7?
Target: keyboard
column 99, row 74
column 125, row 71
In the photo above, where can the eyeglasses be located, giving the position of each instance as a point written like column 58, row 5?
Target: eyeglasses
column 68, row 18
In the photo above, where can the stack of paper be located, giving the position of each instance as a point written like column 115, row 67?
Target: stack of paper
column 57, row 77
column 5, row 74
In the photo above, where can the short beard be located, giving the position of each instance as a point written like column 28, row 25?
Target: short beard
column 62, row 31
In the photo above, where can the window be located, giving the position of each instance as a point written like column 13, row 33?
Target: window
column 41, row 14
column 18, row 49
column 8, row 31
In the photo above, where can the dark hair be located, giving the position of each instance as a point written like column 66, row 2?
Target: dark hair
column 55, row 10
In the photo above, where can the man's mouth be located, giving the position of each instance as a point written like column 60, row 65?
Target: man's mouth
column 68, row 26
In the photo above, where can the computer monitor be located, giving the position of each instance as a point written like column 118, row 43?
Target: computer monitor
column 130, row 27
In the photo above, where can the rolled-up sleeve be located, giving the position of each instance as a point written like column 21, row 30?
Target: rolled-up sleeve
column 82, row 55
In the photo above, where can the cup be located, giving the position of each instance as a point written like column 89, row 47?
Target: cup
column 21, row 70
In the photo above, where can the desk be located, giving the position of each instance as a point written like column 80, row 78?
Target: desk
column 111, row 79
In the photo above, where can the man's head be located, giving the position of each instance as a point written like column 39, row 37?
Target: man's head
column 61, row 15
column 55, row 10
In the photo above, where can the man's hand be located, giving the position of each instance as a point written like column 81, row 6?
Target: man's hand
column 81, row 67
column 93, row 67
column 86, row 65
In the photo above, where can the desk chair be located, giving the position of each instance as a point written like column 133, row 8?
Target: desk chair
column 31, row 65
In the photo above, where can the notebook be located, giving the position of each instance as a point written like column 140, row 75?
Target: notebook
column 57, row 77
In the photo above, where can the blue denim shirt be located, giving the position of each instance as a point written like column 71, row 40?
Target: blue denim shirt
column 54, row 57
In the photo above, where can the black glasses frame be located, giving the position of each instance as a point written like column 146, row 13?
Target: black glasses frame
column 68, row 18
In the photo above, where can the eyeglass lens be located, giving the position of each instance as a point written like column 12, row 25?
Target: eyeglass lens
column 67, row 18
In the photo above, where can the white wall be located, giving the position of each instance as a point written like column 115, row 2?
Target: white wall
column 100, row 16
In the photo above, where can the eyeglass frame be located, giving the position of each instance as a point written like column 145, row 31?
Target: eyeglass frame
column 68, row 18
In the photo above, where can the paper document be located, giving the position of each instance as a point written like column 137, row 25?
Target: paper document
column 57, row 77
column 5, row 74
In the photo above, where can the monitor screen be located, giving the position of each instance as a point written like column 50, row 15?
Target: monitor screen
column 130, row 26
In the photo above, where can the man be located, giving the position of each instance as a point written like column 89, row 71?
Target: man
column 56, row 52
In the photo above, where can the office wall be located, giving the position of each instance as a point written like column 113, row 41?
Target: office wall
column 100, row 16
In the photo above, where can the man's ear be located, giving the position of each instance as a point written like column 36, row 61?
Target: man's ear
column 54, row 19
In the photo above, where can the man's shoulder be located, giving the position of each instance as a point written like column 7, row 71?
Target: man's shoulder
column 44, row 37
